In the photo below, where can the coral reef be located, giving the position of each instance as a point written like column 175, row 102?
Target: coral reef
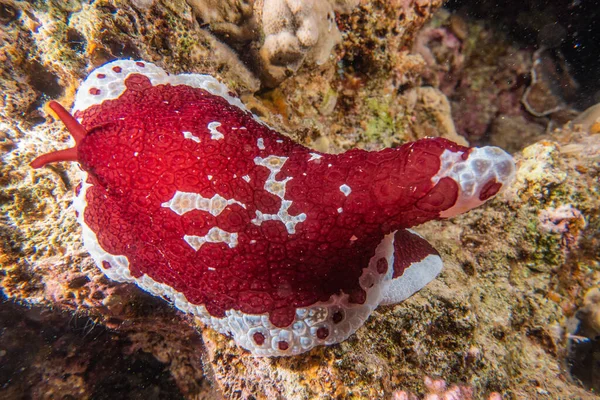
column 565, row 27
column 589, row 314
column 76, row 357
column 584, row 340
column 497, row 319
column 502, row 94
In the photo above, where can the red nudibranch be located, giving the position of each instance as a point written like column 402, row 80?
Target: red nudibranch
column 187, row 194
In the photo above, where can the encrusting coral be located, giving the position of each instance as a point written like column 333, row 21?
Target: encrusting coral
column 295, row 31
column 276, row 36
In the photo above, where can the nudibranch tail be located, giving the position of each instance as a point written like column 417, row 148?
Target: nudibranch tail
column 76, row 130
column 480, row 174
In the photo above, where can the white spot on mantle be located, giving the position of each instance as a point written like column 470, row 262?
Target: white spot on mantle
column 345, row 189
column 260, row 143
column 314, row 156
column 214, row 133
column 190, row 135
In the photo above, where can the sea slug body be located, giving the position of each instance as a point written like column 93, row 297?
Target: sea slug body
column 188, row 195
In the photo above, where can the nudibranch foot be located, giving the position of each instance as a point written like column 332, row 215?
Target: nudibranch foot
column 191, row 197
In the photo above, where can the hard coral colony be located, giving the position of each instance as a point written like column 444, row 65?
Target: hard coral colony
column 187, row 194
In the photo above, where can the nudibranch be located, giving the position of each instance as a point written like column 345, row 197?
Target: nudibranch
column 190, row 196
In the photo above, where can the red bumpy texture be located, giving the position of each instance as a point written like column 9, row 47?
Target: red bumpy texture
column 137, row 158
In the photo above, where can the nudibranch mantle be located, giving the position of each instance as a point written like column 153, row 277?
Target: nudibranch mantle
column 191, row 197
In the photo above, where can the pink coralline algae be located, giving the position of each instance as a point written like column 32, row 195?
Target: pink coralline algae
column 187, row 194
column 557, row 220
column 437, row 390
column 565, row 220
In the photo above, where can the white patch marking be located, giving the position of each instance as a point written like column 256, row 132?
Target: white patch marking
column 260, row 143
column 314, row 156
column 345, row 189
column 282, row 215
column 214, row 133
column 246, row 178
column 214, row 235
column 183, row 202
column 190, row 135
column 274, row 164
column 276, row 187
column 340, row 210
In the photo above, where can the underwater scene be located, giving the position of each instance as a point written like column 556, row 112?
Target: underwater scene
column 299, row 199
